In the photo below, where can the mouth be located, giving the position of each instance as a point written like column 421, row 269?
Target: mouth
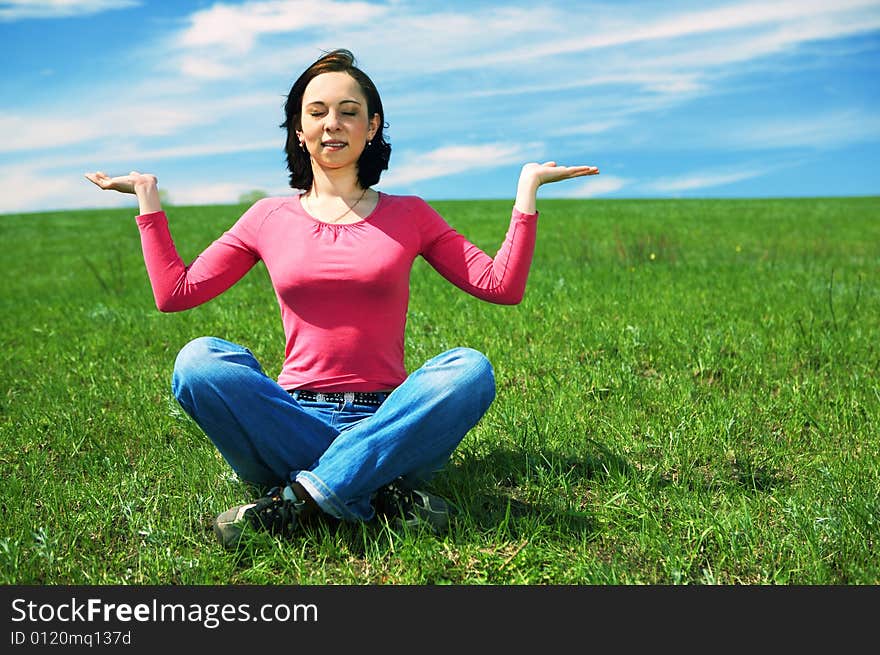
column 333, row 145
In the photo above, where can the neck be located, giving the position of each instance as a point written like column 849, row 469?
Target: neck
column 339, row 183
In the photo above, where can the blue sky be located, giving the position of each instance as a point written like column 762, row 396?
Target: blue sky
column 672, row 99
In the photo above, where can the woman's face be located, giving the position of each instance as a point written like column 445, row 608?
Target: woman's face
column 335, row 125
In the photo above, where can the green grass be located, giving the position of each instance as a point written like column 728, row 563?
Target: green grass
column 688, row 394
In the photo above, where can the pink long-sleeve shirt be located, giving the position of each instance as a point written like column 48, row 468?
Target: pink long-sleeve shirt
column 343, row 290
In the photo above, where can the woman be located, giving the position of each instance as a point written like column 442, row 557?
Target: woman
column 344, row 431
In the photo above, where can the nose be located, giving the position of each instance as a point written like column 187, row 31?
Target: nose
column 331, row 121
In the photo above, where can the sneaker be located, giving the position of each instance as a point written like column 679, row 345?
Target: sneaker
column 276, row 512
column 411, row 507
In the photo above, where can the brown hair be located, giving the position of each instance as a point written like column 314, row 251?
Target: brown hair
column 374, row 158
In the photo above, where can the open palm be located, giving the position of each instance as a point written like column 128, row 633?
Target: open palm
column 121, row 183
column 551, row 172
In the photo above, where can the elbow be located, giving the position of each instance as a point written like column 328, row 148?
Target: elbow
column 511, row 292
column 516, row 295
column 168, row 305
column 510, row 297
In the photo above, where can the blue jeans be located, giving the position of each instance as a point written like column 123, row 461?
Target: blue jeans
column 340, row 452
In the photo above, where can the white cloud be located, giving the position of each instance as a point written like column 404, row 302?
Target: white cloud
column 450, row 160
column 663, row 82
column 701, row 180
column 827, row 130
column 189, row 150
column 130, row 155
column 32, row 132
column 131, row 119
column 589, row 127
column 736, row 16
column 206, row 68
column 739, row 46
column 595, row 185
column 219, row 193
column 589, row 80
column 23, row 133
column 238, row 27
column 433, row 41
column 12, row 10
column 26, row 188
column 61, row 184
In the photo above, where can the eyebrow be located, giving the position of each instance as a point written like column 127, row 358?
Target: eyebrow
column 342, row 102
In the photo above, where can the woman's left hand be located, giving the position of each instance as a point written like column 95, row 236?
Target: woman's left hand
column 534, row 175
column 551, row 172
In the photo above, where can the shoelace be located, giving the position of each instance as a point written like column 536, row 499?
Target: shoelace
column 393, row 499
column 275, row 514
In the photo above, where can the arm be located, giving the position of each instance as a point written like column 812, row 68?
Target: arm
column 501, row 279
column 175, row 285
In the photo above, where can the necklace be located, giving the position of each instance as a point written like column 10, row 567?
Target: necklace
column 341, row 216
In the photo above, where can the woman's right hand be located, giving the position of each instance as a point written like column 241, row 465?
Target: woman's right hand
column 123, row 183
column 143, row 185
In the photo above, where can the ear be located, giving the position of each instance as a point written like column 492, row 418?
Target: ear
column 374, row 125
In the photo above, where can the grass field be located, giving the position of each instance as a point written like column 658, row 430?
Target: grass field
column 688, row 394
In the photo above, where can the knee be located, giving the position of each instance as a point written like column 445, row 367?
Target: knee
column 195, row 360
column 478, row 376
column 194, row 354
column 475, row 364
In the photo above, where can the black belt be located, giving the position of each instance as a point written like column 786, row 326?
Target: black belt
column 374, row 398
